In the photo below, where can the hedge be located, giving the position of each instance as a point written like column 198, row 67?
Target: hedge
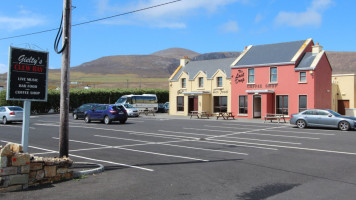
column 78, row 97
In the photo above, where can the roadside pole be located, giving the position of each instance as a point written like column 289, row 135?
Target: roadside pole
column 64, row 99
column 26, row 125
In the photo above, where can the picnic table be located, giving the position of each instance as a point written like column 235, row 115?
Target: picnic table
column 199, row 114
column 273, row 116
column 225, row 115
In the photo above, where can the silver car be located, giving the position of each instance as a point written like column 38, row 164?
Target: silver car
column 131, row 110
column 10, row 114
column 323, row 118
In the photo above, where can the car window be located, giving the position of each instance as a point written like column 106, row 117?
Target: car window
column 128, row 106
column 2, row 109
column 117, row 108
column 309, row 112
column 14, row 108
column 322, row 112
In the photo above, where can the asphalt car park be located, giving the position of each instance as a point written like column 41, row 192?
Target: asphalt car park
column 164, row 157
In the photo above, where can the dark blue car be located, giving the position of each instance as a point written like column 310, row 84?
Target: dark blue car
column 106, row 113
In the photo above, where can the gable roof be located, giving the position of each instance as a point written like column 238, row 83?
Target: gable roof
column 270, row 54
column 209, row 67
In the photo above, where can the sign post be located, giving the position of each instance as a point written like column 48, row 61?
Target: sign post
column 27, row 81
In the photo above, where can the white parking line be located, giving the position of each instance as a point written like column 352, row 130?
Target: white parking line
column 184, row 133
column 147, row 152
column 168, row 144
column 239, row 145
column 286, row 131
column 251, row 133
column 103, row 161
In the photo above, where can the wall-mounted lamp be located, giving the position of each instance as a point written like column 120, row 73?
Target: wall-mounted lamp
column 311, row 72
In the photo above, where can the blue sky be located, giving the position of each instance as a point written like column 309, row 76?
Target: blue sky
column 199, row 25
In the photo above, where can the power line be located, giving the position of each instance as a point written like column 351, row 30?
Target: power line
column 95, row 20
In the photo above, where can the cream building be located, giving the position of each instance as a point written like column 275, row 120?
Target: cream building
column 201, row 86
column 343, row 94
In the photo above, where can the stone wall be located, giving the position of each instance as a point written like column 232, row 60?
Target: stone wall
column 20, row 170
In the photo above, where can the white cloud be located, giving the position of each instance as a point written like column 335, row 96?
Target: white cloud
column 3, row 68
column 230, row 27
column 23, row 19
column 258, row 18
column 171, row 15
column 311, row 17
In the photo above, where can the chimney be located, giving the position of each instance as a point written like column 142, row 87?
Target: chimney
column 184, row 61
column 317, row 48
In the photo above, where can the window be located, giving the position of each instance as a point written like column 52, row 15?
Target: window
column 302, row 77
column 180, row 103
column 220, row 104
column 282, row 104
column 219, row 82
column 201, row 82
column 273, row 74
column 184, row 82
column 251, row 75
column 302, row 102
column 242, row 104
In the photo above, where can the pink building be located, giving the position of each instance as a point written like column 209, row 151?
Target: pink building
column 282, row 78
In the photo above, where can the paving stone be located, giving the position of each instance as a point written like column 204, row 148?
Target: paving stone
column 40, row 174
column 20, row 159
column 18, row 179
column 11, row 188
column 4, row 181
column 3, row 161
column 62, row 170
column 36, row 166
column 50, row 171
column 8, row 171
column 25, row 169
column 16, row 148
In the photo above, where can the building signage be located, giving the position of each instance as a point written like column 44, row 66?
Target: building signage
column 28, row 75
column 240, row 76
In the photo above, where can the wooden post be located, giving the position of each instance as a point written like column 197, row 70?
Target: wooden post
column 64, row 99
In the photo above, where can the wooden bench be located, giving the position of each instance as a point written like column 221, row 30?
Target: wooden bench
column 225, row 115
column 199, row 114
column 272, row 116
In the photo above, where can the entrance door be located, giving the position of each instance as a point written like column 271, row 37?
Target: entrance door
column 257, row 106
column 192, row 103
column 341, row 105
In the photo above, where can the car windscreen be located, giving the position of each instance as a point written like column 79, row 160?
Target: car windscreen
column 14, row 108
column 121, row 100
column 129, row 106
column 334, row 113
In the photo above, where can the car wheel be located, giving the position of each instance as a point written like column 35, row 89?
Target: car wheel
column 75, row 116
column 344, row 125
column 4, row 120
column 107, row 120
column 87, row 119
column 301, row 123
column 122, row 121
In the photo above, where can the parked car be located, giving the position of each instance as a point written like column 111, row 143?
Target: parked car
column 10, row 114
column 131, row 110
column 160, row 108
column 106, row 113
column 323, row 118
column 166, row 107
column 78, row 113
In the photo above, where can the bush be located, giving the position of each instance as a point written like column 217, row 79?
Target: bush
column 78, row 97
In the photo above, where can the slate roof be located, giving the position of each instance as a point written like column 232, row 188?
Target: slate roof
column 209, row 67
column 307, row 60
column 270, row 54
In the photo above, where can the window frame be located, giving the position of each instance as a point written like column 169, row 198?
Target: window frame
column 245, row 105
column 281, row 109
column 201, row 82
column 270, row 75
column 220, row 107
column 219, row 81
column 300, row 76
column 306, row 103
column 250, row 75
column 180, row 107
column 184, row 83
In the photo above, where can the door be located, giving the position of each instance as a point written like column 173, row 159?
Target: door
column 192, row 103
column 341, row 105
column 257, row 106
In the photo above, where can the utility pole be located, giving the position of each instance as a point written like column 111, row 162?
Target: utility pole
column 64, row 100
